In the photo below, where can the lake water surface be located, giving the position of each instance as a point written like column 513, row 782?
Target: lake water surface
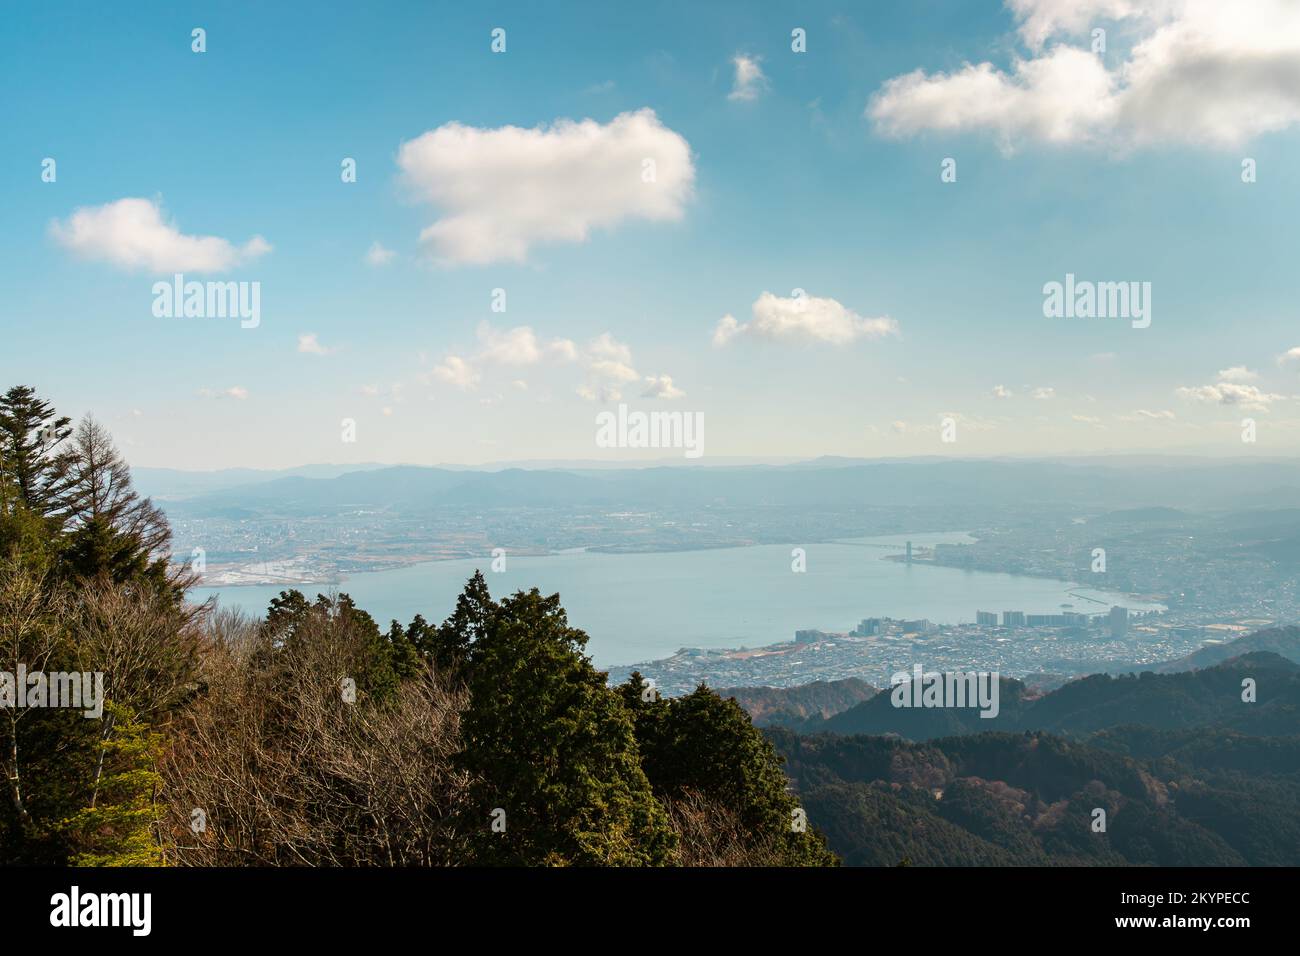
column 639, row 607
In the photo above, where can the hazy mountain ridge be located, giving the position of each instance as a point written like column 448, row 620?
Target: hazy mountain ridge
column 1283, row 641
column 174, row 483
column 1160, row 489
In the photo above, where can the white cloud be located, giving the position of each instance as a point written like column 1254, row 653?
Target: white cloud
column 309, row 344
column 749, row 80
column 520, row 346
column 132, row 234
column 726, row 330
column 1044, row 393
column 1041, row 19
column 1247, row 397
column 502, row 190
column 661, row 386
column 237, row 392
column 454, row 370
column 562, row 350
column 600, row 393
column 1196, row 71
column 605, row 346
column 1238, row 373
column 517, row 346
column 377, row 255
column 1001, row 391
column 1143, row 414
column 514, row 347
column 606, row 361
column 1062, row 97
column 1290, row 357
column 1087, row 420
column 618, row 371
column 802, row 319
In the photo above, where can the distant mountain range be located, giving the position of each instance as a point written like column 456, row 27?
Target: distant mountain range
column 825, row 484
column 165, row 484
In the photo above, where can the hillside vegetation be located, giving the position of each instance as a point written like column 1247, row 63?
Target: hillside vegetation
column 792, row 706
column 312, row 736
column 1210, row 696
column 1214, row 798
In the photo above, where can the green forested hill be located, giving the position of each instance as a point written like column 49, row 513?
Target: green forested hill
column 1029, row 799
column 1212, row 696
column 791, row 706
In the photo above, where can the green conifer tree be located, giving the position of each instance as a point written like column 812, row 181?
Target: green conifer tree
column 704, row 744
column 553, row 747
column 118, row 828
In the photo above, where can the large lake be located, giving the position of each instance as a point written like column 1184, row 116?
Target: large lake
column 639, row 607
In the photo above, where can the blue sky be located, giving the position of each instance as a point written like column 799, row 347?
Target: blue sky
column 818, row 175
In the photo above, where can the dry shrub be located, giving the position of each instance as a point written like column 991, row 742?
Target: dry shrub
column 286, row 772
column 709, row 833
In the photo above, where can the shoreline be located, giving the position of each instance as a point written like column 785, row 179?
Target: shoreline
column 858, row 541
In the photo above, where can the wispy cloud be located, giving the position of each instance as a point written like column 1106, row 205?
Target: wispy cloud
column 749, row 80
column 237, row 392
column 661, row 386
column 1144, row 414
column 605, row 362
column 377, row 255
column 454, row 370
column 1238, row 373
column 1248, row 397
column 309, row 344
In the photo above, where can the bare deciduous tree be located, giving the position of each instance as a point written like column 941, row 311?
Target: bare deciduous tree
column 283, row 770
column 29, row 638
